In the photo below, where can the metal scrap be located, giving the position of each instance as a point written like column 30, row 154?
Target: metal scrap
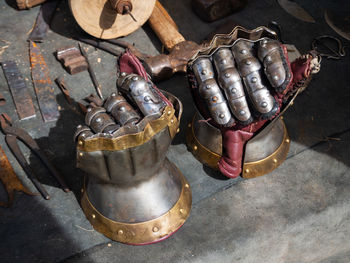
column 72, row 60
column 43, row 85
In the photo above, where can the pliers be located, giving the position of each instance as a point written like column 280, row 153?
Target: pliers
column 15, row 133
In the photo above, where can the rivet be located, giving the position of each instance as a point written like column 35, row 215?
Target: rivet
column 227, row 75
column 120, row 232
column 187, row 185
column 248, row 62
column 275, row 77
column 287, row 141
column 178, row 130
column 247, row 171
column 80, row 142
column 221, row 115
column 274, row 160
column 79, row 126
column 122, row 108
column 243, row 51
column 172, row 120
column 291, row 104
column 89, row 109
column 189, row 125
column 182, row 211
column 223, row 61
column 93, row 216
column 147, row 98
column 169, row 112
column 263, row 104
column 254, row 79
column 214, row 98
column 242, row 112
column 98, row 119
column 281, row 117
column 208, row 87
column 113, row 94
column 233, row 90
column 123, row 74
column 195, row 148
column 135, row 78
column 204, row 72
column 81, row 154
column 155, row 229
column 82, row 190
column 268, row 58
column 109, row 245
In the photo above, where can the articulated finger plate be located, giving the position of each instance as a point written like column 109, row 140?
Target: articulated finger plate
column 250, row 69
column 211, row 93
column 141, row 93
column 269, row 52
column 99, row 121
column 121, row 110
column 230, row 81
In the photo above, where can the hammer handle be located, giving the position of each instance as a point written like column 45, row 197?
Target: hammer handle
column 164, row 27
column 26, row 4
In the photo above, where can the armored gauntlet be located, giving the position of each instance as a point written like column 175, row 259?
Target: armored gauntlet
column 240, row 83
column 132, row 193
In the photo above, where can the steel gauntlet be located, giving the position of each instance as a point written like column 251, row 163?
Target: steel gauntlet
column 133, row 193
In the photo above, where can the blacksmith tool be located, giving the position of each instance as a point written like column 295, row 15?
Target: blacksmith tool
column 333, row 45
column 91, row 73
column 15, row 133
column 212, row 10
column 72, row 59
column 19, row 90
column 43, row 84
column 10, row 180
column 294, row 9
column 339, row 23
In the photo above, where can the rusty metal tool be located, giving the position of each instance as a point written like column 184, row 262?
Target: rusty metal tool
column 60, row 83
column 10, row 180
column 43, row 84
column 294, row 9
column 91, row 73
column 212, row 10
column 43, row 20
column 72, row 59
column 20, row 94
column 13, row 134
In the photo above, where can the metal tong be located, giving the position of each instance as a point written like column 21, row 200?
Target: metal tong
column 15, row 133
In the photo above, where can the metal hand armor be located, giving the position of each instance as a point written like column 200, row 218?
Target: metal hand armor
column 132, row 193
column 240, row 82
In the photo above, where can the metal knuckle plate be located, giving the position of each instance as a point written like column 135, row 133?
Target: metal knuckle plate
column 223, row 59
column 220, row 113
column 249, row 65
column 253, row 82
column 266, row 47
column 242, row 50
column 203, row 70
column 262, row 100
column 228, row 77
column 276, row 74
column 233, row 90
column 240, row 109
column 209, row 88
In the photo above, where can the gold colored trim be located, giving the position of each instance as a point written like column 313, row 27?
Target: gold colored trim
column 199, row 151
column 250, row 169
column 270, row 163
column 144, row 232
column 168, row 119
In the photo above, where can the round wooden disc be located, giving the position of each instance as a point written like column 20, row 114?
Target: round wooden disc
column 97, row 18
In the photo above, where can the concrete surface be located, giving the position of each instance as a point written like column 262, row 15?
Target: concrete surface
column 298, row 213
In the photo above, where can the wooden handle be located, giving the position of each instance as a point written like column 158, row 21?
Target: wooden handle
column 26, row 4
column 164, row 27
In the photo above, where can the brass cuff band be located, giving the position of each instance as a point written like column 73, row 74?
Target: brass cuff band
column 250, row 169
column 144, row 232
